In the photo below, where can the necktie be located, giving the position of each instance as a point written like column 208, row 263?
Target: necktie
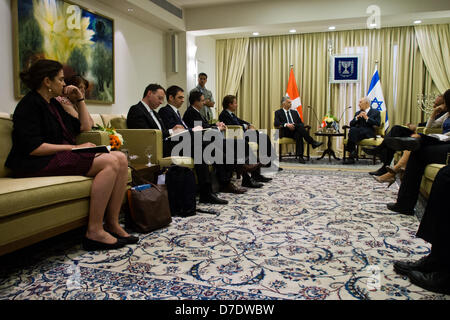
column 179, row 116
column 289, row 117
column 156, row 120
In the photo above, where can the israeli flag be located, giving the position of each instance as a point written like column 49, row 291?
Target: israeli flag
column 375, row 96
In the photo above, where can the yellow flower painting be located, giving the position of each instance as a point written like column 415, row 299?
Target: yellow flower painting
column 81, row 40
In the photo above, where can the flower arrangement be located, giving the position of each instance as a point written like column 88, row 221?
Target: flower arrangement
column 115, row 139
column 330, row 122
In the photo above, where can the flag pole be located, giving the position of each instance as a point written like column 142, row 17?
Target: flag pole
column 330, row 53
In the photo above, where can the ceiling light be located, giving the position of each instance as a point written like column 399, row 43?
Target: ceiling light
column 256, row 33
column 417, row 21
column 292, row 31
column 332, row 28
column 130, row 9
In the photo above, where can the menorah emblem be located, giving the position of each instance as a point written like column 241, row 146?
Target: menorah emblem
column 345, row 65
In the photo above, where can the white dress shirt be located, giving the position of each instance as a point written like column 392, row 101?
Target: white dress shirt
column 154, row 117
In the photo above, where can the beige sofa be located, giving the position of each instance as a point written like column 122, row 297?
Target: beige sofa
column 34, row 209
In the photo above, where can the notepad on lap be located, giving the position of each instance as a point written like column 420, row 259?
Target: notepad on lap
column 442, row 137
column 96, row 149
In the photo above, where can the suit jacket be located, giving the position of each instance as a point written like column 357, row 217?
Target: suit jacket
column 191, row 115
column 365, row 128
column 374, row 119
column 139, row 118
column 228, row 119
column 281, row 119
column 35, row 124
column 169, row 117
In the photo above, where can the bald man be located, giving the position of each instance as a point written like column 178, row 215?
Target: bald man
column 361, row 127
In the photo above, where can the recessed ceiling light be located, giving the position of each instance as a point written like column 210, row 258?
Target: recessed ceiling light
column 292, row 31
column 256, row 33
column 332, row 28
column 130, row 9
column 417, row 21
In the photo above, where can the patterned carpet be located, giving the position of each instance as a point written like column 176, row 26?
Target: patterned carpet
column 307, row 235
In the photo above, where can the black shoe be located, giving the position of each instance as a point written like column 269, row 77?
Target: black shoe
column 212, row 198
column 372, row 151
column 280, row 169
column 260, row 178
column 250, row 183
column 349, row 161
column 403, row 210
column 316, row 144
column 301, row 160
column 424, row 264
column 92, row 245
column 402, row 143
column 379, row 172
column 437, row 281
column 128, row 240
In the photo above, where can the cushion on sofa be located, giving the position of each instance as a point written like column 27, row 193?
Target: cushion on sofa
column 20, row 195
column 107, row 118
column 97, row 119
column 119, row 123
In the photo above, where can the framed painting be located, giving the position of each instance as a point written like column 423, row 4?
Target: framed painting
column 82, row 40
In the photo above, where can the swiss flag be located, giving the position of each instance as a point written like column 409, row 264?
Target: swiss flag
column 292, row 93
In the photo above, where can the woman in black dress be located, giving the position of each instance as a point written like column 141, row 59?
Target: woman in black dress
column 43, row 137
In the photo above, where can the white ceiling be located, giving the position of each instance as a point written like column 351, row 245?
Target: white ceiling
column 237, row 18
column 185, row 4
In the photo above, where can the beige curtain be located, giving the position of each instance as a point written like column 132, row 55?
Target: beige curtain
column 232, row 54
column 264, row 79
column 434, row 42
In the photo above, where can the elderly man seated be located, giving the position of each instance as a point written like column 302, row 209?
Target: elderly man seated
column 361, row 127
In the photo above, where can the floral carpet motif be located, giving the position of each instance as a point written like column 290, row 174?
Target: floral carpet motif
column 307, row 235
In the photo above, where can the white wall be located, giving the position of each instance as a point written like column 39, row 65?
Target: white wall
column 140, row 59
column 6, row 59
column 201, row 57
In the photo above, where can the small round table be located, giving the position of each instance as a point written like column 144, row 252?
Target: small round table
column 329, row 150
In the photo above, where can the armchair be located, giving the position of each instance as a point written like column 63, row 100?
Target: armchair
column 288, row 141
column 371, row 142
column 141, row 142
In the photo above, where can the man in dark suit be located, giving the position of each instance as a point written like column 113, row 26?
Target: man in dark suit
column 361, row 127
column 192, row 117
column 144, row 116
column 171, row 116
column 290, row 125
column 229, row 117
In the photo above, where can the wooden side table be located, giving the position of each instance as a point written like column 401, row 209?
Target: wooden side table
column 329, row 149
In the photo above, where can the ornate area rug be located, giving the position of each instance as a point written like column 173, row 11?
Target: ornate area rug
column 309, row 234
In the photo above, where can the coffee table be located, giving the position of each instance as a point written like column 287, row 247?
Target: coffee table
column 329, row 149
